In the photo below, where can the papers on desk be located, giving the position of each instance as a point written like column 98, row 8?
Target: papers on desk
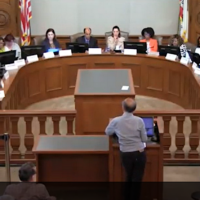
column 184, row 61
column 48, row 55
column 10, row 67
column 67, row 52
column 152, row 53
column 2, row 94
column 130, row 52
column 125, row 87
column 20, row 63
column 6, row 75
column 171, row 57
column 94, row 51
column 33, row 58
column 197, row 50
column 194, row 65
column 145, row 145
column 2, row 83
column 197, row 71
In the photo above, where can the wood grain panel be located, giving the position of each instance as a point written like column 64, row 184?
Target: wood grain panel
column 34, row 89
column 53, row 78
column 9, row 17
column 22, row 89
column 174, row 89
column 155, row 78
column 72, row 70
column 136, row 72
column 103, row 65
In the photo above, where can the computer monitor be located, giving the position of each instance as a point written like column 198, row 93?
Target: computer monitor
column 77, row 47
column 32, row 50
column 195, row 57
column 149, row 125
column 140, row 46
column 55, row 51
column 164, row 50
column 8, row 57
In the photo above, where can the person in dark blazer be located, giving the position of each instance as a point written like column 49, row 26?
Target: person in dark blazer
column 28, row 188
column 50, row 42
column 87, row 38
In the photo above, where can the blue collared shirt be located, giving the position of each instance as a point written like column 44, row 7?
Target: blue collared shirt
column 87, row 41
column 130, row 131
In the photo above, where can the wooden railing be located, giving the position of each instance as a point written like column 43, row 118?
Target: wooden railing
column 24, row 125
column 180, row 128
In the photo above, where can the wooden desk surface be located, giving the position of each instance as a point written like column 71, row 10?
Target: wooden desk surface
column 71, row 144
column 152, row 76
column 104, row 81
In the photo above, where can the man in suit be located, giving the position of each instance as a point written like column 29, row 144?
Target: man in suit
column 27, row 189
column 88, row 39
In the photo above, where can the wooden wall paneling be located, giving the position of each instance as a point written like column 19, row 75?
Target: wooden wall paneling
column 9, row 17
column 194, row 20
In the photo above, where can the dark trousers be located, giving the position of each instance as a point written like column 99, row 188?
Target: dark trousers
column 134, row 165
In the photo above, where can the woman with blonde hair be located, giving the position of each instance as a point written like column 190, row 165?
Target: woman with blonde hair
column 176, row 40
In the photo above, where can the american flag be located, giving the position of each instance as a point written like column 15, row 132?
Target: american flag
column 26, row 15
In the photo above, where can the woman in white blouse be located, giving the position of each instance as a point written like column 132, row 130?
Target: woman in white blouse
column 11, row 45
column 115, row 41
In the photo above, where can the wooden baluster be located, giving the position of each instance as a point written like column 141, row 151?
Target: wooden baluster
column 166, row 137
column 29, row 138
column 2, row 131
column 14, row 138
column 70, row 126
column 42, row 120
column 194, row 137
column 56, row 120
column 180, row 138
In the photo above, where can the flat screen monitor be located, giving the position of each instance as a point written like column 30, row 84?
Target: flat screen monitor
column 149, row 125
column 8, row 57
column 32, row 50
column 77, row 47
column 140, row 46
column 195, row 57
column 164, row 50
column 55, row 51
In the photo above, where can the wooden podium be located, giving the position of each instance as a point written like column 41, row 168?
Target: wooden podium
column 72, row 158
column 98, row 97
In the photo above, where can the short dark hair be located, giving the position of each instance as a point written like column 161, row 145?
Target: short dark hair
column 148, row 30
column 87, row 28
column 9, row 37
column 50, row 30
column 26, row 171
column 7, row 197
column 129, row 105
column 116, row 27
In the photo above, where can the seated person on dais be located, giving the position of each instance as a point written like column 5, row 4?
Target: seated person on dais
column 177, row 41
column 2, row 48
column 115, row 41
column 50, row 42
column 11, row 45
column 152, row 44
column 88, row 39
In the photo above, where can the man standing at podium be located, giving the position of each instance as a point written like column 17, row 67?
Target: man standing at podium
column 131, row 134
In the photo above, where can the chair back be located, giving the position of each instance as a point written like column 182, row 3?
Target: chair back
column 190, row 46
column 123, row 34
column 158, row 38
column 75, row 36
column 38, row 40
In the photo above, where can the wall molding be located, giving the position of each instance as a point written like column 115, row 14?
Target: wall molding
column 101, row 39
